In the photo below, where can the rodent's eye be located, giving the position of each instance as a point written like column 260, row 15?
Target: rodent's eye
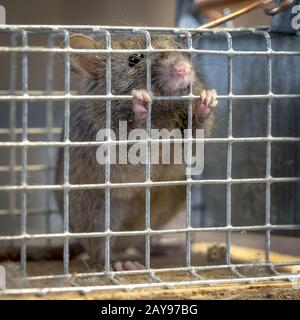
column 135, row 59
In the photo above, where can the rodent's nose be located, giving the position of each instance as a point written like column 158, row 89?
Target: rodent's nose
column 181, row 69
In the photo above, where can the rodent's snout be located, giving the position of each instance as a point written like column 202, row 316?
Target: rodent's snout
column 181, row 68
column 175, row 73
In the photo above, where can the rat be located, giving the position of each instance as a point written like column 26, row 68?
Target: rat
column 171, row 75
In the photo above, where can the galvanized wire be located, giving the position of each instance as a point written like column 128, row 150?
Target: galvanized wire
column 67, row 96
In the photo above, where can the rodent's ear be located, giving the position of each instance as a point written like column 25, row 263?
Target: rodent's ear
column 85, row 64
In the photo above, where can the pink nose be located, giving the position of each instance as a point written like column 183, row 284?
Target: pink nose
column 180, row 69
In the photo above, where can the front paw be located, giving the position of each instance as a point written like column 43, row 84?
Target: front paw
column 140, row 101
column 205, row 104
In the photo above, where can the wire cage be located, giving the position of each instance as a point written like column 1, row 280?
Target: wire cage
column 30, row 136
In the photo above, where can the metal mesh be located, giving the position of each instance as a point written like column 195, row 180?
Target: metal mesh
column 18, row 153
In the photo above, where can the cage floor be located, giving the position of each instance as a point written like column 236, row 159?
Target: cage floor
column 205, row 253
column 277, row 290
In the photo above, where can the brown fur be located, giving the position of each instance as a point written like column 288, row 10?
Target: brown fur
column 127, row 205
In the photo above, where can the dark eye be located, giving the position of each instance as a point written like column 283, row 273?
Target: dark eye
column 135, row 59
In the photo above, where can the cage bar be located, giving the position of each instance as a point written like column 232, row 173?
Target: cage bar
column 154, row 276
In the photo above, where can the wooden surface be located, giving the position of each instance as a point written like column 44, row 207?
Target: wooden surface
column 203, row 254
column 265, row 291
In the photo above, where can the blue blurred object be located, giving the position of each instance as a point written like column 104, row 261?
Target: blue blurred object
column 249, row 77
column 186, row 15
column 282, row 22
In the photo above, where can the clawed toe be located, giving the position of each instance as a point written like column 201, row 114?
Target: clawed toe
column 141, row 98
column 204, row 105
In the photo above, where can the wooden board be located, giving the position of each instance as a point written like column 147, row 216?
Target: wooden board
column 263, row 290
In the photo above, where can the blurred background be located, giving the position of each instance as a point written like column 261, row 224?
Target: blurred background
column 113, row 12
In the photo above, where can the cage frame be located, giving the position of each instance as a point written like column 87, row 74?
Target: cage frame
column 25, row 96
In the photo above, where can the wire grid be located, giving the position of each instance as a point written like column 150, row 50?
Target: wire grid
column 25, row 96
